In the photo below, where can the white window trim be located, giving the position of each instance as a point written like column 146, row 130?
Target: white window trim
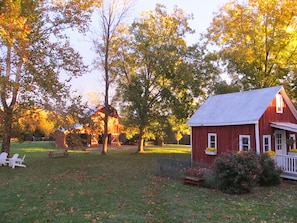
column 240, row 142
column 209, row 141
column 278, row 141
column 279, row 104
column 269, row 143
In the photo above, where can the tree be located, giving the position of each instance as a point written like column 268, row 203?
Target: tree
column 157, row 75
column 31, row 121
column 111, row 14
column 257, row 41
column 35, row 52
column 222, row 87
column 179, row 127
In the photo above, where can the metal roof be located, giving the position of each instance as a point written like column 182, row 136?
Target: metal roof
column 285, row 126
column 245, row 107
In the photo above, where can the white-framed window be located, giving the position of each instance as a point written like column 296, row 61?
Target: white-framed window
column 266, row 143
column 292, row 141
column 244, row 142
column 279, row 103
column 212, row 140
column 278, row 141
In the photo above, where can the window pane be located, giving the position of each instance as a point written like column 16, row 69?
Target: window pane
column 266, row 143
column 278, row 141
column 279, row 103
column 212, row 140
column 245, row 148
column 245, row 141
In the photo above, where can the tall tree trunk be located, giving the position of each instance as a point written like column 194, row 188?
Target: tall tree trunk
column 106, row 109
column 111, row 13
column 7, row 109
column 7, row 113
column 105, row 134
column 140, row 148
column 106, row 104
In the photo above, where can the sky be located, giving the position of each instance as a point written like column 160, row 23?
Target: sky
column 92, row 83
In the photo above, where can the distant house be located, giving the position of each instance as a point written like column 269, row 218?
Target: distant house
column 259, row 120
column 93, row 136
column 114, row 126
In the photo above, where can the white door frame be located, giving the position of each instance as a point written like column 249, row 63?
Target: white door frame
column 280, row 142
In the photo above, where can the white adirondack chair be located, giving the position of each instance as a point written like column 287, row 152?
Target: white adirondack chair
column 19, row 162
column 3, row 158
column 11, row 161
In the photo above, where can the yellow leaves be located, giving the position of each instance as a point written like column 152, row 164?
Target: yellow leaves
column 13, row 26
column 164, row 28
column 34, row 119
column 259, row 33
column 81, row 4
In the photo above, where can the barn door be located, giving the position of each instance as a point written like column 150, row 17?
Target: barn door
column 280, row 142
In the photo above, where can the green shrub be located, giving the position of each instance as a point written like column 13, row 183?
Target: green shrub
column 270, row 173
column 237, row 173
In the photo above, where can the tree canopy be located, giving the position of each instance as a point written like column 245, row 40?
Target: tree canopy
column 158, row 73
column 257, row 42
column 35, row 52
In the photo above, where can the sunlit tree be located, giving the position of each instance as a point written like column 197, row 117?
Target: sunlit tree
column 257, row 41
column 111, row 14
column 35, row 52
column 34, row 120
column 179, row 128
column 158, row 75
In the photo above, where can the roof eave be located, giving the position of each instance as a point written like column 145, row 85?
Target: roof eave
column 223, row 123
column 281, row 125
column 289, row 102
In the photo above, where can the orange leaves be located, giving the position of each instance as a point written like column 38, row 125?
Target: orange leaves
column 13, row 26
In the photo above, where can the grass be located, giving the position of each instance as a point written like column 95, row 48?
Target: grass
column 122, row 187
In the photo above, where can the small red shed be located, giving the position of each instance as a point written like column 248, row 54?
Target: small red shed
column 260, row 120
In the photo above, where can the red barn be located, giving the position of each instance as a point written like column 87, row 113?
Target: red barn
column 260, row 120
column 97, row 115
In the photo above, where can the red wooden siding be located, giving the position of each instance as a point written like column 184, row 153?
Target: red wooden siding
column 60, row 139
column 227, row 140
column 269, row 116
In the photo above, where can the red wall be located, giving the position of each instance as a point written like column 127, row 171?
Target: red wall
column 60, row 139
column 227, row 140
column 269, row 116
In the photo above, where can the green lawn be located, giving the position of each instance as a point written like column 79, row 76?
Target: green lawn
column 122, row 187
